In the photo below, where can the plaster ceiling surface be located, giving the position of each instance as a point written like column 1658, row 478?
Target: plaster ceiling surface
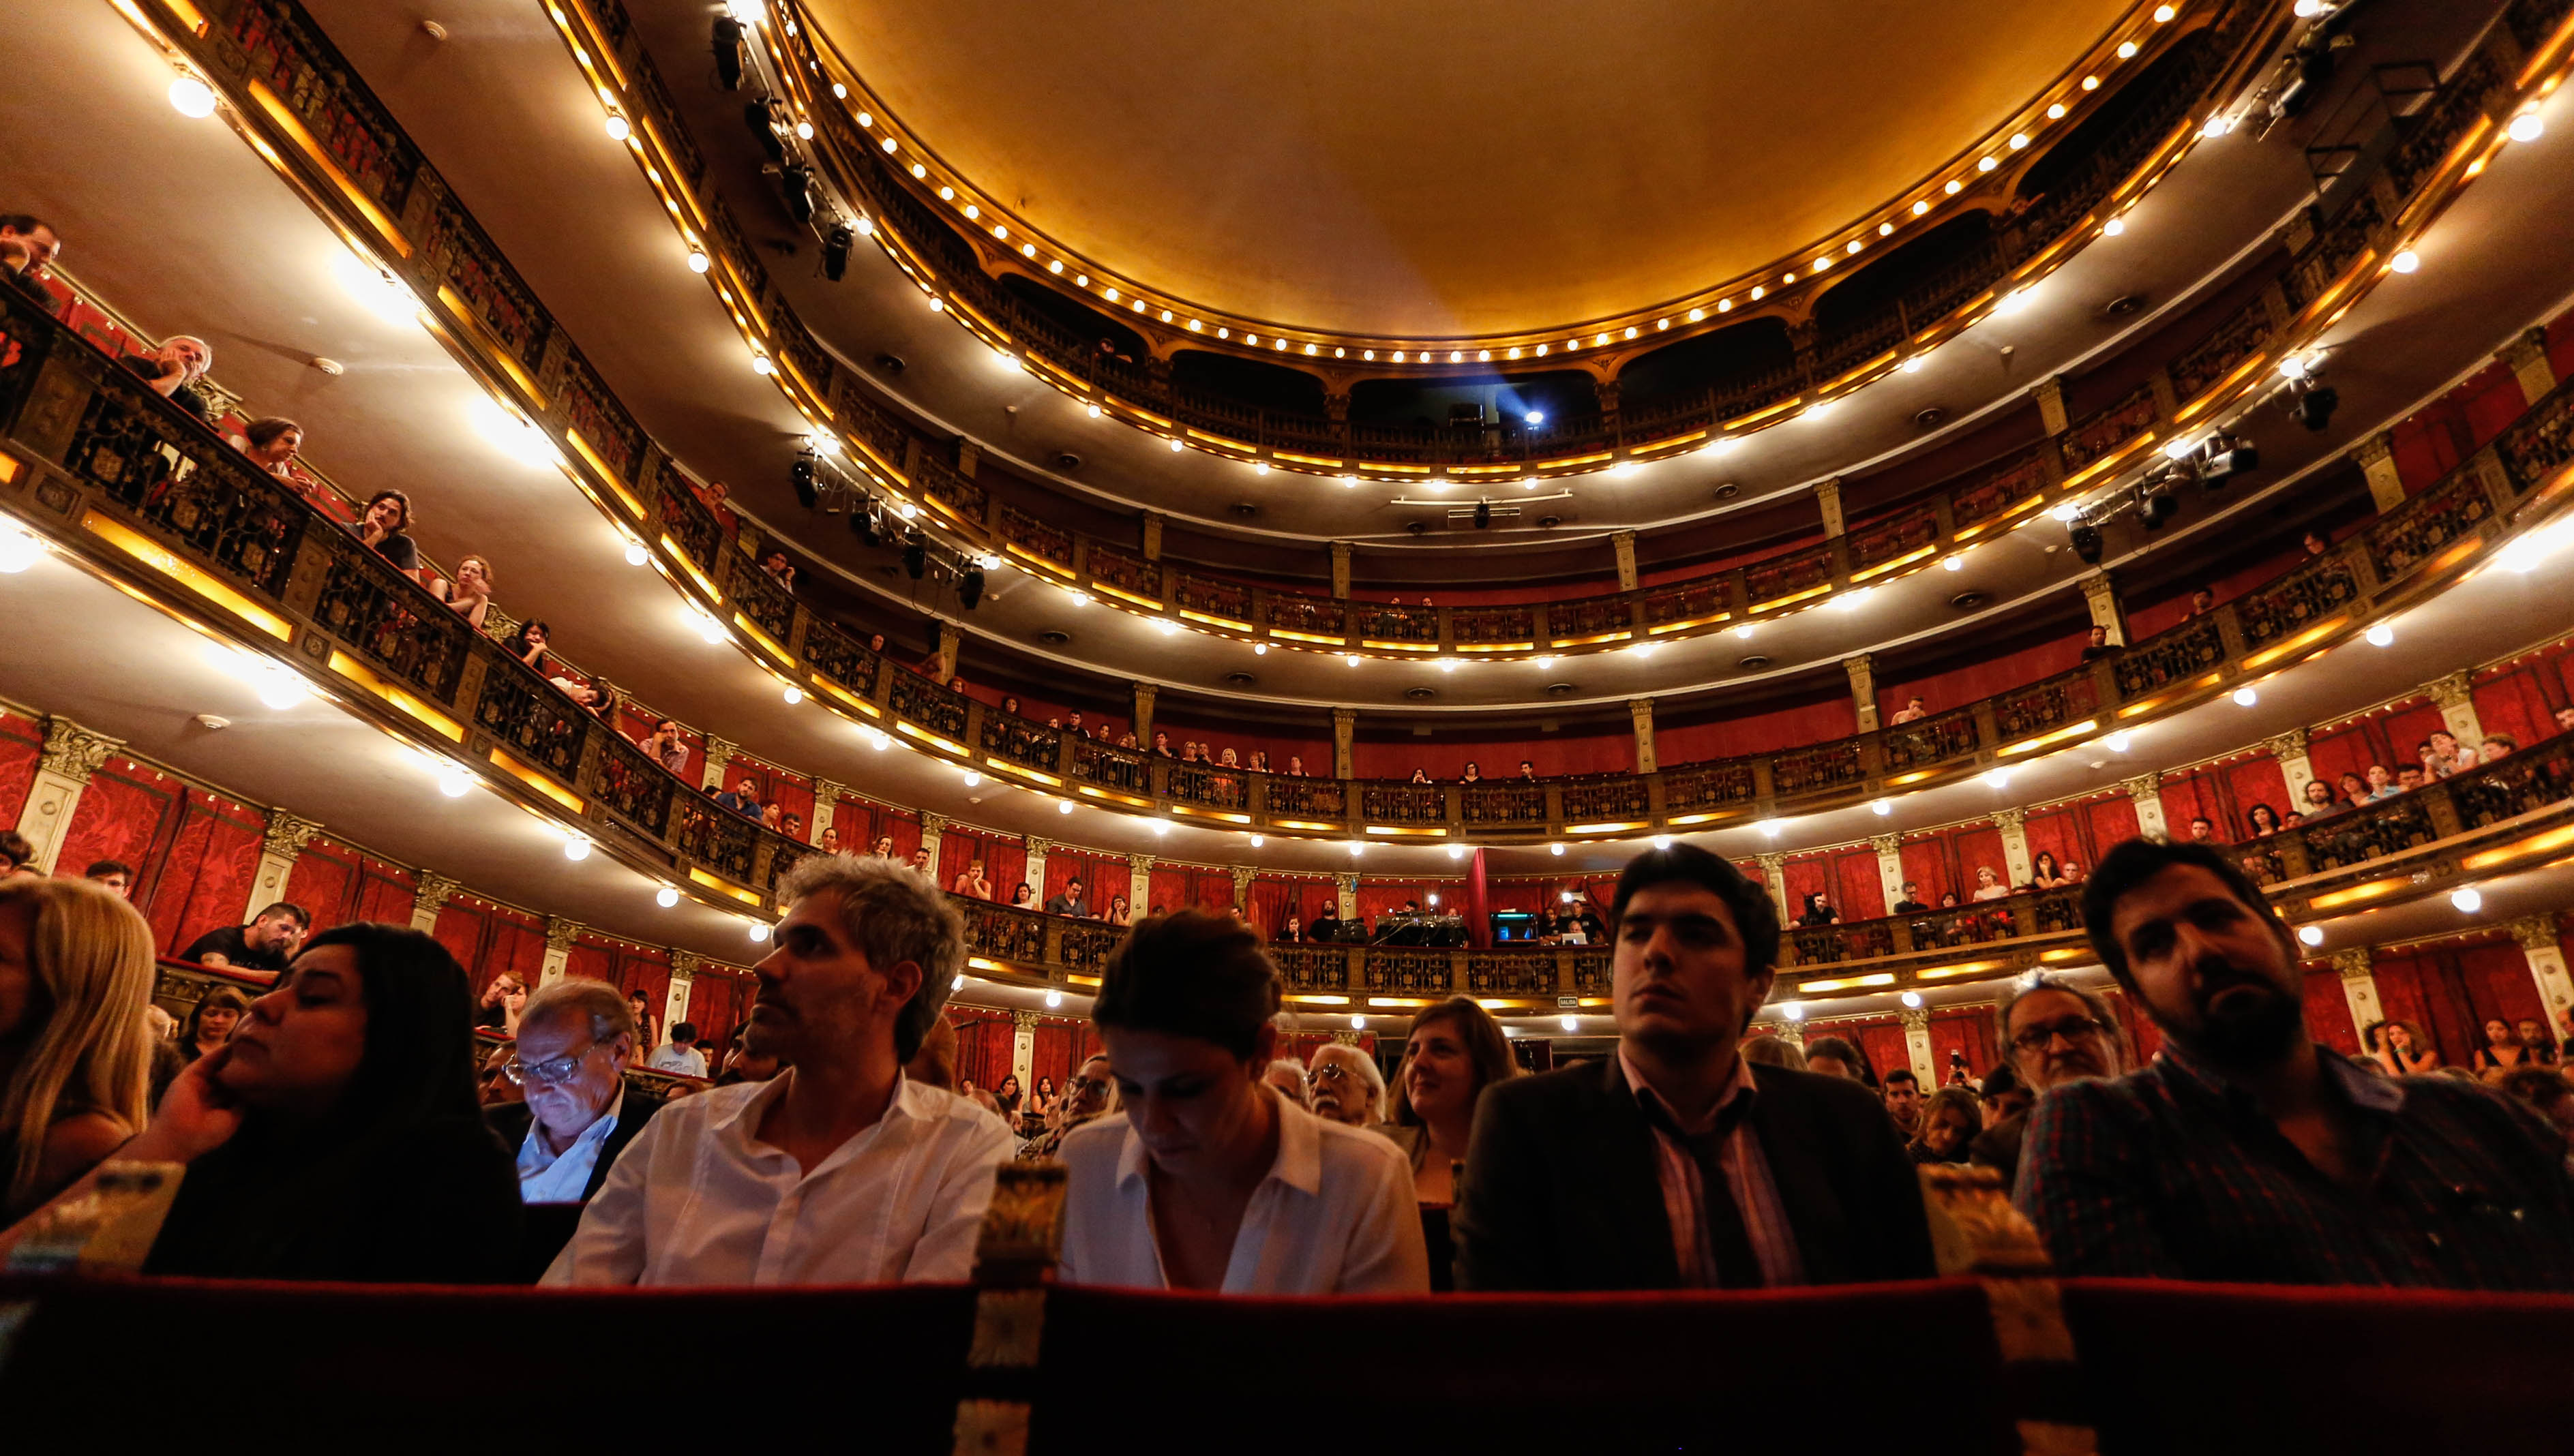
column 1451, row 168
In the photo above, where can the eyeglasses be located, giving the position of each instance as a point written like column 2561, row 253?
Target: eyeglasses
column 551, row 1073
column 2072, row 1029
column 1330, row 1071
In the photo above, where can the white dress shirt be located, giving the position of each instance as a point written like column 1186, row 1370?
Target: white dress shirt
column 1335, row 1215
column 545, row 1179
column 697, row 1198
column 687, row 1060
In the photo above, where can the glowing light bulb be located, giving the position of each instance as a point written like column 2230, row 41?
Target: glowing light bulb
column 1358, row 1024
column 2113, row 227
column 760, row 365
column 618, row 129
column 758, row 933
column 1913, row 997
column 2526, row 127
column 452, row 782
column 2381, row 635
column 1952, row 563
column 666, row 897
column 1055, row 999
column 2468, row 899
column 2405, row 262
column 575, row 847
column 636, row 554
column 1881, row 807
column 1258, row 840
column 192, row 98
column 18, row 550
column 1567, row 1023
column 2245, row 697
column 793, row 694
column 2310, row 935
column 2118, row 742
column 1793, row 1012
column 697, row 261
column 282, row 687
column 1063, row 806
column 1556, row 850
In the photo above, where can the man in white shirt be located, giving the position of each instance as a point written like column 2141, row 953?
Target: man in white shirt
column 575, row 1038
column 680, row 1053
column 839, row 1171
column 1209, row 1179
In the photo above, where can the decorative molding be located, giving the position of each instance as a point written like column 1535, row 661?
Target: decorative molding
column 2353, row 963
column 1916, row 1019
column 2536, row 932
column 1346, row 1035
column 1886, row 844
column 2011, row 816
column 287, row 834
column 560, row 932
column 2144, row 786
column 684, row 965
column 720, row 751
column 2291, row 743
column 1039, row 845
column 1772, row 863
column 2457, row 690
column 1347, row 882
column 1024, row 1020
column 434, row 891
column 73, row 751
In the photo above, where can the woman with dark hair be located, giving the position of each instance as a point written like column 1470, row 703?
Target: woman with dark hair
column 270, row 444
column 2399, row 1049
column 527, row 643
column 1025, row 895
column 1007, row 1095
column 1951, row 1119
column 2263, row 819
column 210, row 1024
column 1455, row 1051
column 1241, row 1191
column 1118, row 914
column 337, row 1136
column 2046, row 874
column 2501, row 1051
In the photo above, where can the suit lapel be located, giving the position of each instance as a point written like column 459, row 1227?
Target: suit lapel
column 1626, row 1187
column 1792, row 1136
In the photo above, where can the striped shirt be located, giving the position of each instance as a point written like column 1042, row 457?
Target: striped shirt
column 1746, row 1181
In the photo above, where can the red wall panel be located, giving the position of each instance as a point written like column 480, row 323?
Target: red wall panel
column 1980, row 846
column 127, row 813
column 2061, row 833
column 1764, row 732
column 2256, row 780
column 2329, row 1012
column 21, row 745
column 1929, row 866
column 205, row 881
column 1958, row 686
column 2112, row 821
column 1860, row 889
column 1969, row 1030
column 2516, row 702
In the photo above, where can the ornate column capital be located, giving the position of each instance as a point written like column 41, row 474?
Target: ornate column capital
column 73, row 751
column 1345, row 717
column 433, row 890
column 2353, row 963
column 1885, row 844
column 1241, row 881
column 1139, row 865
column 1024, row 1020
column 2147, row 784
column 2373, row 449
column 721, row 750
column 2291, row 743
column 684, row 965
column 931, row 825
column 1916, row 1019
column 1347, row 882
column 1772, row 863
column 2535, row 932
column 1038, row 843
column 287, row 834
column 2452, row 691
column 2010, row 815
column 1346, row 1037
column 560, row 932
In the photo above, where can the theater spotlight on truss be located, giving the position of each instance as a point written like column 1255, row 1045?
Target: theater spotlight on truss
column 2086, row 542
column 2155, row 503
column 800, row 475
column 969, row 587
column 761, row 117
column 836, row 250
column 795, row 181
column 864, row 524
column 2220, row 458
column 2313, row 401
column 916, row 557
column 729, row 54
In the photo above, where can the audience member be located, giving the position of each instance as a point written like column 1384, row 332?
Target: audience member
column 210, row 1024
column 665, row 746
column 575, row 1043
column 921, row 862
column 840, row 1169
column 1069, row 902
column 679, row 1056
column 744, row 799
column 1989, row 886
column 1833, row 1056
column 1819, row 911
column 2319, row 800
column 2201, row 602
column 1773, row 1051
column 1911, row 711
column 773, row 563
column 471, row 592
column 2245, row 1154
column 2399, row 1049
column 1455, row 1052
column 1347, row 1088
column 337, row 1136
column 2500, row 1051
column 386, row 527
column 1118, row 912
column 266, row 943
column 1007, row 1095
column 1287, row 1076
column 76, row 972
column 881, row 847
column 1091, row 1095
column 1025, row 897
column 2495, row 746
column 648, row 1027
column 270, row 444
column 173, row 370
column 2005, row 1096
column 1676, row 1163
column 1910, row 904
column 2263, row 819
column 501, row 1002
column 1902, row 1096
column 2099, row 646
column 17, row 854
column 2535, row 1042
column 31, row 242
column 1209, row 1179
column 1951, row 1119
column 526, row 642
column 973, row 883
column 2053, row 1032
column 2046, row 874
column 116, row 874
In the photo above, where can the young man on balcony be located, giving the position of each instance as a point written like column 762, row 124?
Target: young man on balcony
column 2245, row 1152
column 1677, row 1164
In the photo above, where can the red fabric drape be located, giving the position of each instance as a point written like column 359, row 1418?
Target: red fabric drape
column 1478, row 904
column 1275, row 897
column 1969, row 1030
column 983, row 1046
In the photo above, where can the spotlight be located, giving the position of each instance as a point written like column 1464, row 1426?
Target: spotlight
column 2315, row 405
column 1536, row 417
column 797, row 180
column 1055, row 999
column 193, row 98
column 836, row 250
column 2468, row 899
column 2381, row 635
column 800, row 475
column 1913, row 998
column 969, row 587
column 666, row 897
column 2154, row 505
column 762, row 121
column 2088, row 545
column 758, row 933
column 916, row 558
column 862, row 524
column 2224, row 457
column 729, row 57
column 2311, row 935
column 576, row 846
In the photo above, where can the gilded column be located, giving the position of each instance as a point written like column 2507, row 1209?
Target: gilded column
column 428, row 898
column 2458, row 706
column 2051, row 404
column 1144, row 715
column 560, row 934
column 1242, row 889
column 934, row 828
column 1640, row 712
column 1341, row 570
column 1139, row 888
column 1917, row 1046
column 1345, row 724
column 2359, row 988
column 70, row 755
column 1034, row 874
column 950, row 638
column 2146, row 789
column 2011, row 821
column 1023, row 1049
column 1348, row 884
column 2101, row 600
column 1773, row 869
column 1624, row 545
column 1151, row 541
column 2546, row 956
column 826, row 807
column 2375, row 457
column 278, row 850
column 675, row 1005
column 2289, row 749
column 1828, row 499
column 1889, row 866
column 1863, row 687
column 720, row 754
column 2526, row 356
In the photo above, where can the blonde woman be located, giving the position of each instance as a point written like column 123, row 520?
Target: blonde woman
column 75, row 1044
column 471, row 592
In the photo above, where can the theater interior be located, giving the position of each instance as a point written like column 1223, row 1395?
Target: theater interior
column 1369, row 471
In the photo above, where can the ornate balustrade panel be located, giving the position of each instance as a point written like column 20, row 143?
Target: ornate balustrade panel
column 1381, row 621
column 1385, row 802
column 784, row 854
column 1824, row 768
column 1293, row 798
column 2045, row 705
column 281, row 50
column 1322, row 968
column 2098, row 436
column 1605, row 800
column 2308, row 594
column 1002, row 933
column 1509, row 973
column 2173, row 655
column 1511, row 805
column 1593, row 973
column 1967, row 925
column 691, row 526
column 1689, row 601
column 2416, row 532
column 1124, row 770
column 634, row 788
column 1084, row 950
column 1468, row 626
column 392, row 622
column 2263, row 863
column 2428, row 134
column 1209, row 597
column 2540, row 443
column 603, row 422
column 532, row 717
column 1892, row 537
column 1207, row 785
column 2335, row 246
column 837, row 655
column 1309, row 617
column 2057, row 910
column 942, row 482
column 916, row 699
column 1409, row 972
column 2357, row 836
column 1119, row 571
column 1725, row 784
column 1589, row 617
column 186, row 487
column 2240, row 337
column 2008, row 484
column 1929, row 741
column 1021, row 741
column 1790, row 576
column 1863, row 941
column 761, row 598
column 2522, row 783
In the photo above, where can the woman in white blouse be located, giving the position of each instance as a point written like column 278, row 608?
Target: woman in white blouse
column 1208, row 1180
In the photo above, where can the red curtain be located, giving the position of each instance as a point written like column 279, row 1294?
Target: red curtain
column 1780, row 728
column 1858, row 888
column 1274, row 898
column 1968, row 1032
column 1974, row 847
column 1958, row 686
column 2113, row 820
column 983, row 1046
column 1931, row 868
column 2060, row 833
column 2516, row 702
column 2328, row 1019
column 717, row 1000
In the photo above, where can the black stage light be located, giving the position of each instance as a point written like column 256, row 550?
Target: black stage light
column 916, row 558
column 2086, row 543
column 729, row 60
column 1483, row 515
column 836, row 250
column 2155, row 504
column 760, row 117
column 800, row 475
column 797, row 180
column 2224, row 458
column 2316, row 405
column 969, row 587
column 862, row 524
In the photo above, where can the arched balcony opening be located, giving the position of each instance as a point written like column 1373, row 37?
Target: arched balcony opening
column 1229, row 382
column 2102, row 139
column 1070, row 314
column 1483, row 397
column 1902, row 274
column 1750, row 349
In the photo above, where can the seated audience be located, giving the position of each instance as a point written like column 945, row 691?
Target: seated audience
column 647, row 1033
column 2442, row 755
column 774, row 565
column 2044, row 873
column 386, row 527
column 920, row 860
column 1951, row 1119
column 1774, row 1052
column 1910, row 904
column 2099, row 646
column 1833, row 1056
column 678, row 1056
column 1025, row 897
column 503, row 1001
column 116, row 874
column 17, row 854
column 2053, row 1032
column 471, row 592
column 2495, row 746
column 2202, row 829
column 575, row 1040
column 2004, row 1095
column 173, row 370
column 1912, row 711
column 2399, row 1049
column 973, row 883
column 76, row 972
column 1677, row 1164
column 31, row 241
column 270, row 444
column 2319, row 800
column 1209, row 1179
column 1347, row 1088
column 1069, row 902
column 840, row 1170
column 337, row 1136
column 1091, row 1095
column 266, row 943
column 1989, row 886
column 665, row 746
column 881, row 847
column 1455, row 1052
column 209, row 1025
column 2381, row 783
column 526, row 642
column 1286, row 1074
column 744, row 799
column 1902, row 1095
column 1819, row 911
column 2501, row 1050
column 1118, row 912
column 1006, row 1096
column 2244, row 1153
column 2263, row 819
column 2535, row 1042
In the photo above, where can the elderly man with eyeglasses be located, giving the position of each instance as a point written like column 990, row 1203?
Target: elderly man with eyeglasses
column 576, row 1036
column 1088, row 1096
column 2055, row 1033
column 1348, row 1088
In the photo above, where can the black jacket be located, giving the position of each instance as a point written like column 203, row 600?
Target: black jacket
column 512, row 1119
column 1561, row 1191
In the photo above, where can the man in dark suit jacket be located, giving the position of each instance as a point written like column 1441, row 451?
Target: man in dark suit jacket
column 511, row 1120
column 1675, row 1163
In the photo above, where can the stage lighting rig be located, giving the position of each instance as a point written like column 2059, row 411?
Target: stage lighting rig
column 761, row 117
column 916, row 556
column 836, row 250
column 795, row 180
column 801, row 476
column 969, row 587
column 728, row 56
